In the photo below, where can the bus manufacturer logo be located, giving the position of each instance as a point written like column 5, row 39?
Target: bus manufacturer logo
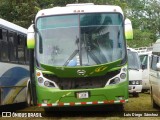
column 81, row 72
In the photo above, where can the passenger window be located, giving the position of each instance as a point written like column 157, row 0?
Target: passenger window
column 4, row 46
column 154, row 62
column 26, row 51
column 12, row 40
column 21, row 44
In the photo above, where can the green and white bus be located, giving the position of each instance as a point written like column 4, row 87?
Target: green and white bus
column 79, row 56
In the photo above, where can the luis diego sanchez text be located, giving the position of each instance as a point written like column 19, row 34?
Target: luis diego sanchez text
column 140, row 114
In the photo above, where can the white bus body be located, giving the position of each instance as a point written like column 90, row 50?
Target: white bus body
column 135, row 72
column 14, row 70
column 154, row 75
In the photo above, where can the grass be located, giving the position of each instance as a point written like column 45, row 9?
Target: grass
column 142, row 103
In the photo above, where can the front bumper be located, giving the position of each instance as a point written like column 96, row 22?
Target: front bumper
column 135, row 88
column 53, row 97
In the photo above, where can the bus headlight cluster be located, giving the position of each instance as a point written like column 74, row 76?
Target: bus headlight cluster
column 44, row 82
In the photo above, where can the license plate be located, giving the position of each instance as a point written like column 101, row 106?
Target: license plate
column 82, row 95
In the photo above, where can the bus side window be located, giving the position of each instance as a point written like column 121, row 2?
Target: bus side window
column 12, row 40
column 26, row 51
column 21, row 48
column 4, row 46
column 154, row 62
column 150, row 58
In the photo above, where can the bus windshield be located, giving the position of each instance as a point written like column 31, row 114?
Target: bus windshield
column 80, row 39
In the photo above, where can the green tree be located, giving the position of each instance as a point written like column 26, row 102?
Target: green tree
column 153, row 17
column 20, row 12
column 143, row 14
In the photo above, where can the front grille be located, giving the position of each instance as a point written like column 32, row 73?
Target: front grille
column 83, row 82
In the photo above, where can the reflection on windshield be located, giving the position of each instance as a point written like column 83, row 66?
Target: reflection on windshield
column 133, row 60
column 82, row 39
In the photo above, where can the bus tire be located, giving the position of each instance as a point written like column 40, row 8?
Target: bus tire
column 29, row 97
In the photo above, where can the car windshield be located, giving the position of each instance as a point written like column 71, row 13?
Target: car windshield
column 133, row 60
column 80, row 39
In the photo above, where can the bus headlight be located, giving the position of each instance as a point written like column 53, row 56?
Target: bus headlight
column 123, row 76
column 115, row 80
column 124, row 69
column 40, row 80
column 46, row 83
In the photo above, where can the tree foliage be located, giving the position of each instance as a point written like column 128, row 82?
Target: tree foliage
column 20, row 12
column 144, row 14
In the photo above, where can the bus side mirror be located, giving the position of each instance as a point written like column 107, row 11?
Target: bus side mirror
column 128, row 29
column 31, row 37
column 158, row 66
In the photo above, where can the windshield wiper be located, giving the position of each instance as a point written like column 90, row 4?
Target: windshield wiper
column 71, row 57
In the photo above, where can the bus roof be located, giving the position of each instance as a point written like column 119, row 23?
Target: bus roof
column 7, row 24
column 79, row 8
